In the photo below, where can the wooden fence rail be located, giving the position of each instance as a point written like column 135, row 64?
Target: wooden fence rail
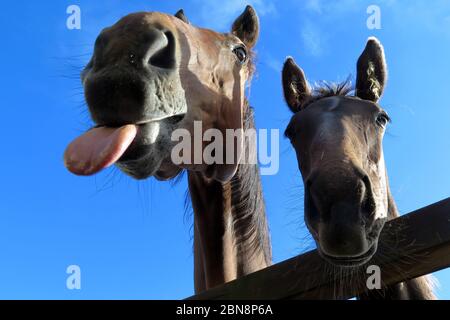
column 410, row 246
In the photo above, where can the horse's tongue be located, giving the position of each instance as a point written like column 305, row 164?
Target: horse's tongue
column 98, row 149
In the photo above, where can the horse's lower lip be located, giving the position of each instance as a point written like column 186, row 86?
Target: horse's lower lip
column 351, row 261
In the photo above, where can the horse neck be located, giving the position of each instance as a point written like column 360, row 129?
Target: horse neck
column 231, row 236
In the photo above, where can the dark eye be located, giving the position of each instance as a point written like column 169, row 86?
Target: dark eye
column 383, row 119
column 241, row 54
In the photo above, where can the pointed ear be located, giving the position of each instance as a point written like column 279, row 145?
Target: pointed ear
column 371, row 71
column 180, row 15
column 295, row 86
column 246, row 27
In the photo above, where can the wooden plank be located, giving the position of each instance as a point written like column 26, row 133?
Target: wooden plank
column 409, row 246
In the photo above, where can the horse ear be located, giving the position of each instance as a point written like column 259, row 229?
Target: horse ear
column 180, row 15
column 371, row 71
column 295, row 86
column 246, row 27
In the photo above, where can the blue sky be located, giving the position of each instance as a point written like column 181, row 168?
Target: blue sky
column 131, row 239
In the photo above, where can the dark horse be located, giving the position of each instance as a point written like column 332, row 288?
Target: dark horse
column 338, row 142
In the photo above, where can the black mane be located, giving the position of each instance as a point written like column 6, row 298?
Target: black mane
column 248, row 202
column 329, row 89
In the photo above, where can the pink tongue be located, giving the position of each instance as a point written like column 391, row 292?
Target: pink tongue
column 98, row 148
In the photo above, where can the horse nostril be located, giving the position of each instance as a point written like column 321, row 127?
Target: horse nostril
column 366, row 180
column 164, row 56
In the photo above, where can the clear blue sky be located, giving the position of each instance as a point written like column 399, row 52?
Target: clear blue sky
column 130, row 238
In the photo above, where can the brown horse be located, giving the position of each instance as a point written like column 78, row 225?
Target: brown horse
column 338, row 142
column 152, row 74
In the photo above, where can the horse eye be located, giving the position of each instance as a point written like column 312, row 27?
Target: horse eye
column 383, row 119
column 241, row 54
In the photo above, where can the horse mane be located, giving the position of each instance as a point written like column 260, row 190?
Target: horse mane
column 249, row 210
column 250, row 223
column 326, row 89
column 251, row 65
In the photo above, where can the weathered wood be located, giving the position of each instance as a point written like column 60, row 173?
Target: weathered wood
column 409, row 246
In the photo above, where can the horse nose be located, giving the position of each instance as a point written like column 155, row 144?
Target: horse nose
column 159, row 47
column 338, row 211
column 343, row 234
column 339, row 185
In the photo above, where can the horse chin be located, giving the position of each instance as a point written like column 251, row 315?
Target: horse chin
column 149, row 154
column 350, row 262
column 167, row 171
